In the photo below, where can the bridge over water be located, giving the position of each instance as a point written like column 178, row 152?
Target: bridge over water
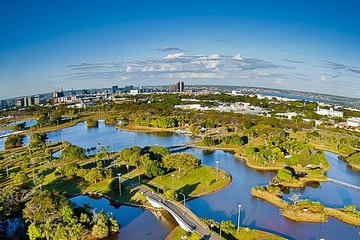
column 186, row 219
column 181, row 147
column 349, row 185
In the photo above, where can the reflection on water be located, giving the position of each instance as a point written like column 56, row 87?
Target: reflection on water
column 12, row 228
column 135, row 223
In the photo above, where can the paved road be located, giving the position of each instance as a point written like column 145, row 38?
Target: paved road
column 184, row 213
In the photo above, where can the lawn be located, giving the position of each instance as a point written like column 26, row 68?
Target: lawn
column 178, row 232
column 197, row 182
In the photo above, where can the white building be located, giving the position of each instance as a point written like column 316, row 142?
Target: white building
column 134, row 92
column 288, row 115
column 329, row 112
column 353, row 122
column 189, row 106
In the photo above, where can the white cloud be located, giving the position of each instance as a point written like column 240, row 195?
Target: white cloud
column 238, row 57
column 210, row 57
column 279, row 81
column 123, row 78
column 175, row 55
column 128, row 69
column 193, row 75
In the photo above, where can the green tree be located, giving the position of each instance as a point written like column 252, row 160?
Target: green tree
column 181, row 161
column 91, row 123
column 285, row 174
column 68, row 170
column 227, row 226
column 44, row 207
column 38, row 139
column 97, row 174
column 19, row 178
column 158, row 152
column 101, row 228
column 153, row 169
column 13, row 141
column 208, row 141
column 171, row 195
column 19, row 127
column 73, row 152
column 34, row 232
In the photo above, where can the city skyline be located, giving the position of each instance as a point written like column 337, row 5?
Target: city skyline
column 302, row 45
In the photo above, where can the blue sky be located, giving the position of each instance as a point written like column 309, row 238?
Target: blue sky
column 301, row 45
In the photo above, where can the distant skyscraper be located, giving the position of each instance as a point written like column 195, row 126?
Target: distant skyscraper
column 114, row 89
column 180, row 86
column 128, row 88
column 37, row 100
column 19, row 102
column 28, row 101
column 173, row 88
column 177, row 87
column 3, row 104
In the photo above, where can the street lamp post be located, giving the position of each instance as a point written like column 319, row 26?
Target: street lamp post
column 172, row 175
column 62, row 141
column 119, row 174
column 7, row 171
column 217, row 170
column 184, row 197
column 219, row 224
column 238, row 223
column 40, row 187
column 127, row 167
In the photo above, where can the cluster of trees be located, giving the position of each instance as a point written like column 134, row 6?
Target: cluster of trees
column 112, row 120
column 93, row 175
column 19, row 127
column 149, row 157
column 157, row 121
column 51, row 216
column 12, row 198
column 157, row 160
column 38, row 140
column 234, row 139
column 289, row 153
column 90, row 123
column 181, row 162
column 227, row 227
column 13, row 141
column 73, row 152
column 354, row 159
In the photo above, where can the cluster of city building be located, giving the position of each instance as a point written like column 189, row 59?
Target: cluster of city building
column 237, row 107
column 85, row 98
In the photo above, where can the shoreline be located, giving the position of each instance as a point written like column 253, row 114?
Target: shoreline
column 143, row 129
column 303, row 216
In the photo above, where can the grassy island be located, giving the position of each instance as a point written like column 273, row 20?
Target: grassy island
column 305, row 210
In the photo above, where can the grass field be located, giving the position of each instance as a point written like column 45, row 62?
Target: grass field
column 194, row 183
column 178, row 232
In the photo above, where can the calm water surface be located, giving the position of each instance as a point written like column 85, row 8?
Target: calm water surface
column 108, row 136
column 136, row 223
column 259, row 214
